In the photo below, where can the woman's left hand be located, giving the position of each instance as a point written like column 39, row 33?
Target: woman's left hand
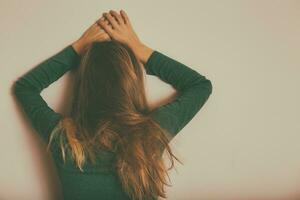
column 93, row 33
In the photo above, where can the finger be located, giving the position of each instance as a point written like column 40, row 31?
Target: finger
column 95, row 26
column 105, row 21
column 111, row 20
column 106, row 27
column 117, row 16
column 125, row 17
column 102, row 18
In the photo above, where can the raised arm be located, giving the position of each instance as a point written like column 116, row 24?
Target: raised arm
column 28, row 87
column 194, row 90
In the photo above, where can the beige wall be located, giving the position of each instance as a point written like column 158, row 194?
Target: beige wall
column 243, row 144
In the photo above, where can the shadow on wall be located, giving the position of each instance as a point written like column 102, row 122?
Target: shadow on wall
column 45, row 168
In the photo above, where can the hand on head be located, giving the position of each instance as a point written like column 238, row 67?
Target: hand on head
column 118, row 26
column 110, row 26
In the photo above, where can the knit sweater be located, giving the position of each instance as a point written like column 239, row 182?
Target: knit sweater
column 98, row 181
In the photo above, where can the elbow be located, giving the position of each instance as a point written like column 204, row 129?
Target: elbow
column 17, row 88
column 20, row 88
column 205, row 85
column 206, row 88
column 209, row 86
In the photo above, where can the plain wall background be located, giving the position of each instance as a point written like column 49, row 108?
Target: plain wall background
column 243, row 144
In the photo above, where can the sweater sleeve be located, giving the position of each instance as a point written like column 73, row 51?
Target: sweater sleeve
column 192, row 87
column 28, row 87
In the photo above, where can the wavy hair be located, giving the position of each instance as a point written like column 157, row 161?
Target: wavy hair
column 110, row 111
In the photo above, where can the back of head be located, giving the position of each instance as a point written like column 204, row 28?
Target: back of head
column 111, row 81
column 110, row 112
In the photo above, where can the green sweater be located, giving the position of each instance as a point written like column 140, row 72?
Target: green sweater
column 99, row 182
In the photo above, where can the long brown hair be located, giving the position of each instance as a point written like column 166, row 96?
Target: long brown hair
column 110, row 111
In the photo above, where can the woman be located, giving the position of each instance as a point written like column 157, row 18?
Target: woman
column 110, row 145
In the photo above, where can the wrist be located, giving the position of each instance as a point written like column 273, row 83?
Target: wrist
column 141, row 51
column 78, row 46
